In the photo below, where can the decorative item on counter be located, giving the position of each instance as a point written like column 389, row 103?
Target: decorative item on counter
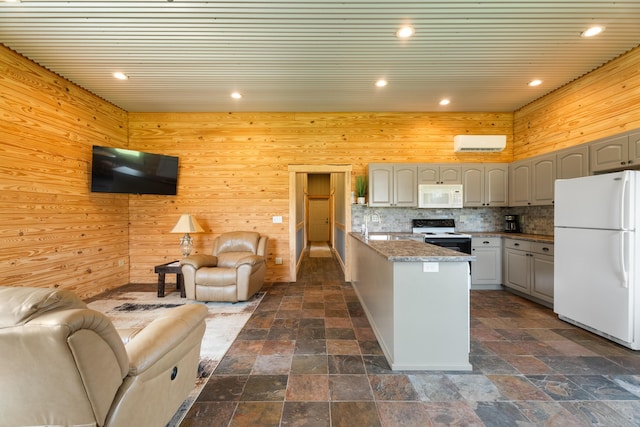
column 361, row 188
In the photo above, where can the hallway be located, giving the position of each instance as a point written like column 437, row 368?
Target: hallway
column 308, row 357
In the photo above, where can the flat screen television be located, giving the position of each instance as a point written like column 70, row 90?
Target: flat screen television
column 117, row 170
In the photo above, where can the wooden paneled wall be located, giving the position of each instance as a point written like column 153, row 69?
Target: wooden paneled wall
column 233, row 167
column 602, row 103
column 53, row 231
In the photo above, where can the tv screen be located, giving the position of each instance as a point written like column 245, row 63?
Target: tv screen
column 116, row 170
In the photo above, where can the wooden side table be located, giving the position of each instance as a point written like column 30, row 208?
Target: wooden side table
column 172, row 267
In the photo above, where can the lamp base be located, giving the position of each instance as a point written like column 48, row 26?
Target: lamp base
column 186, row 245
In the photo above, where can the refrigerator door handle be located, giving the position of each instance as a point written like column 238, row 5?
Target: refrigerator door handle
column 623, row 202
column 623, row 259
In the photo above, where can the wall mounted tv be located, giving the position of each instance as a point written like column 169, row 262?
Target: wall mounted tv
column 116, row 170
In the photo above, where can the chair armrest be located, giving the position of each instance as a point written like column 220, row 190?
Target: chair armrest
column 250, row 260
column 162, row 335
column 200, row 260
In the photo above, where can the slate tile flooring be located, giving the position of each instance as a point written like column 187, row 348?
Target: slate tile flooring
column 308, row 357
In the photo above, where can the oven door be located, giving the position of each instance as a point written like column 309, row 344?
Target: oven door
column 460, row 244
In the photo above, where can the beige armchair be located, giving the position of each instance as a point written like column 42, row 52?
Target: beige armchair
column 63, row 364
column 234, row 272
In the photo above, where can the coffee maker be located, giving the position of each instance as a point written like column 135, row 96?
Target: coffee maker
column 511, row 224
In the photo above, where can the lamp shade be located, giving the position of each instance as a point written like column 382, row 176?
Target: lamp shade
column 187, row 224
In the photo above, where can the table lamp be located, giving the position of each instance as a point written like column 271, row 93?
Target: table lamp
column 187, row 224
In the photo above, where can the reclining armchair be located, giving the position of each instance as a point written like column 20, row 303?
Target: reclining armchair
column 64, row 364
column 233, row 272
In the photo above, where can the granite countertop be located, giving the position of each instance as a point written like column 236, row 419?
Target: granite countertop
column 531, row 237
column 398, row 247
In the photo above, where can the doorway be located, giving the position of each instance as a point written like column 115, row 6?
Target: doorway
column 330, row 213
column 319, row 215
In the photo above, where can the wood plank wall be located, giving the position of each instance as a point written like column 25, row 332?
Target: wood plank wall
column 233, row 173
column 233, row 167
column 53, row 231
column 600, row 104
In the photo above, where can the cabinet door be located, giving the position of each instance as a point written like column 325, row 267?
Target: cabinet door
column 542, row 277
column 380, row 185
column 516, row 270
column 473, row 186
column 573, row 163
column 487, row 268
column 634, row 149
column 450, row 174
column 543, row 178
column 609, row 154
column 520, row 183
column 405, row 185
column 496, row 185
column 428, row 174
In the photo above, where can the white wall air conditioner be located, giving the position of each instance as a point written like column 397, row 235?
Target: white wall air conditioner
column 491, row 143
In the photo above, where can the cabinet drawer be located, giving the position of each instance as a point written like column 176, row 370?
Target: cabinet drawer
column 486, row 242
column 542, row 248
column 522, row 245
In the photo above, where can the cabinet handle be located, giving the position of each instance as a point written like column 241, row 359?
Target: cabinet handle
column 486, row 242
column 545, row 249
column 516, row 244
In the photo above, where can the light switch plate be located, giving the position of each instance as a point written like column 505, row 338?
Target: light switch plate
column 277, row 219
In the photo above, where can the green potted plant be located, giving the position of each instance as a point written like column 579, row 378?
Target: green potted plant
column 361, row 188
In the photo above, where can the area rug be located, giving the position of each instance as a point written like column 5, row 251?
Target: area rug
column 319, row 250
column 224, row 322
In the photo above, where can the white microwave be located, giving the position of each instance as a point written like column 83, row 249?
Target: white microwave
column 440, row 196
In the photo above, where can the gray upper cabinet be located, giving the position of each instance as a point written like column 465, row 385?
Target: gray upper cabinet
column 393, row 185
column 485, row 184
column 543, row 177
column 439, row 174
column 520, row 183
column 572, row 162
column 614, row 153
column 532, row 181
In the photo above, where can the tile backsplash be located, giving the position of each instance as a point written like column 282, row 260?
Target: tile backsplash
column 533, row 219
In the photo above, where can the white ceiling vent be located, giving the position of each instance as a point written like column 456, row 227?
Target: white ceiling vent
column 479, row 143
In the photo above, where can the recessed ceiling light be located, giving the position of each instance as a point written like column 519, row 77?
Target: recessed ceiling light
column 535, row 82
column 592, row 31
column 236, row 95
column 405, row 32
column 381, row 83
column 445, row 102
column 120, row 76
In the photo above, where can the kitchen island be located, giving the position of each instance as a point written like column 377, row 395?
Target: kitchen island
column 416, row 297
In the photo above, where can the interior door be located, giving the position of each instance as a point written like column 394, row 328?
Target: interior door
column 319, row 220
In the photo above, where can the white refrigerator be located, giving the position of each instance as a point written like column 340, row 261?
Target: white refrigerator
column 596, row 267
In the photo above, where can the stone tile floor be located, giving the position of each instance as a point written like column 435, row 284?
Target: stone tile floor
column 308, row 357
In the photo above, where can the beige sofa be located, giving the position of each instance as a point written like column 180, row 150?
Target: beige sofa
column 63, row 364
column 233, row 272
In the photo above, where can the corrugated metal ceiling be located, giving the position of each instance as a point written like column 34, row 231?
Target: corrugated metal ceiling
column 319, row 55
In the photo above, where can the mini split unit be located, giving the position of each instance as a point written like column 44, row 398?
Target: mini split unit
column 491, row 143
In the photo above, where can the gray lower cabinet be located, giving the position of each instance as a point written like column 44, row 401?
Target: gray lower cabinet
column 486, row 270
column 528, row 268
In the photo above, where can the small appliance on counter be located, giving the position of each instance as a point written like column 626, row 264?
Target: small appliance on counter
column 511, row 224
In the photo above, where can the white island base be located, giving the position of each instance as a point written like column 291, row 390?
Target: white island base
column 419, row 310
